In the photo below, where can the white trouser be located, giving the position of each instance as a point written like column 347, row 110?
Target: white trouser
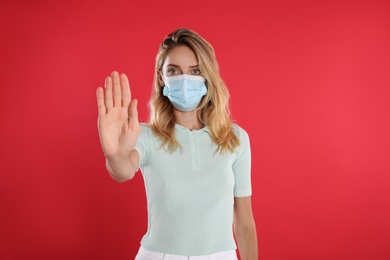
column 144, row 254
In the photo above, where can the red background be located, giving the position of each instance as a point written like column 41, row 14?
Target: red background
column 309, row 81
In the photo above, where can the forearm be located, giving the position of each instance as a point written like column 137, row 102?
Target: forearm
column 247, row 242
column 120, row 168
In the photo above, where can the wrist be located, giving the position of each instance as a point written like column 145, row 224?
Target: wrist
column 117, row 157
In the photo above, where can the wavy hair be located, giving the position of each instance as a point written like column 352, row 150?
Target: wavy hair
column 213, row 110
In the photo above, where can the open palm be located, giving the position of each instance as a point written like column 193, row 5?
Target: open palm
column 118, row 116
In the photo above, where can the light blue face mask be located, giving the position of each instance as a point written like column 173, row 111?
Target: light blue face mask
column 185, row 91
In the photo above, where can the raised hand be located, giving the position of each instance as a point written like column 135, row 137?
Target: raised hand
column 118, row 116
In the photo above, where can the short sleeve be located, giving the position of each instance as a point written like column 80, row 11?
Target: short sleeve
column 142, row 144
column 242, row 165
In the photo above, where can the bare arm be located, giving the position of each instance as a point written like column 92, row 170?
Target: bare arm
column 123, row 169
column 245, row 229
column 118, row 126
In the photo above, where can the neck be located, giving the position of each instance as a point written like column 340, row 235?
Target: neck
column 188, row 119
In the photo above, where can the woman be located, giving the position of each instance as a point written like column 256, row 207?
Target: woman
column 194, row 160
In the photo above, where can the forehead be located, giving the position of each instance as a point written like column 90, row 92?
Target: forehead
column 181, row 56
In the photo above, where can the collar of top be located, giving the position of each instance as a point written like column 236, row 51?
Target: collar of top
column 182, row 128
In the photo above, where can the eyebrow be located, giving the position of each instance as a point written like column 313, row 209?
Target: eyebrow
column 177, row 66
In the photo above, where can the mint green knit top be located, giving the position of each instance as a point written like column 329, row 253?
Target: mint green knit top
column 190, row 192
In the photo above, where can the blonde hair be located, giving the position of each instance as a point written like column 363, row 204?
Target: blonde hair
column 213, row 111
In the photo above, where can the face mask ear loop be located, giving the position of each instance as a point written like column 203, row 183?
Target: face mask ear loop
column 160, row 78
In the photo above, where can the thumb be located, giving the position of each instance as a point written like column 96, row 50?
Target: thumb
column 133, row 113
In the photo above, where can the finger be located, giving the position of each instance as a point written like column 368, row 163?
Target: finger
column 108, row 94
column 126, row 94
column 117, row 89
column 133, row 114
column 100, row 101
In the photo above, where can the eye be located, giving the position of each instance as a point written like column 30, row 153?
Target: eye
column 196, row 72
column 172, row 72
